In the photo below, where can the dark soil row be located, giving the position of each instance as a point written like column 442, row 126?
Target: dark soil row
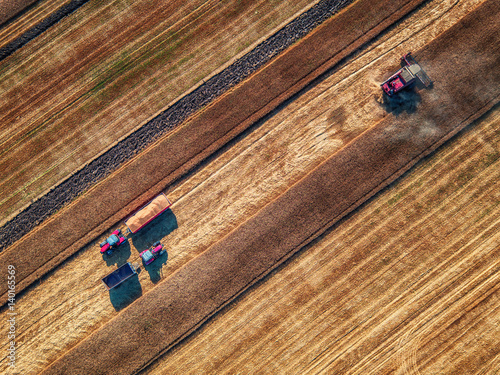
column 40, row 27
column 183, row 302
column 101, row 167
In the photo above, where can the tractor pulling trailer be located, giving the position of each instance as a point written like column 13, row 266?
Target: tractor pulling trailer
column 134, row 223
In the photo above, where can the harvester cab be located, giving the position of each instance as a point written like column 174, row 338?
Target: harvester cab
column 410, row 72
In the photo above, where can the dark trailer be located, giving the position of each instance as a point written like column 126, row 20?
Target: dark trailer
column 118, row 276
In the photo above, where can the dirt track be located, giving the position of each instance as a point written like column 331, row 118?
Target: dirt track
column 114, row 198
column 414, row 133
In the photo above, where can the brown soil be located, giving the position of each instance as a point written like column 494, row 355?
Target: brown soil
column 190, row 296
column 114, row 199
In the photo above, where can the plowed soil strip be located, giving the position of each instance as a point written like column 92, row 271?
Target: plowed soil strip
column 183, row 302
column 174, row 155
column 39, row 28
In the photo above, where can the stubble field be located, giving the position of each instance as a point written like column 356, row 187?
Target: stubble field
column 374, row 294
column 100, row 73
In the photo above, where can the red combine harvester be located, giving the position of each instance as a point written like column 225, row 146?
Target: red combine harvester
column 148, row 256
column 406, row 76
column 112, row 242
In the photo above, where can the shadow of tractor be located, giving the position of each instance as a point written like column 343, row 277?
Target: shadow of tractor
column 159, row 228
column 154, row 268
column 119, row 256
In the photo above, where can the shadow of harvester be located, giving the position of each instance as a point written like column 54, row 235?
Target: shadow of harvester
column 404, row 101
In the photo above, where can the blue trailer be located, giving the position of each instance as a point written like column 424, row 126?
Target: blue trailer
column 119, row 275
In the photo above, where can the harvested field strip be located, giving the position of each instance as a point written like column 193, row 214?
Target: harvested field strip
column 296, row 320
column 184, row 301
column 27, row 19
column 239, row 181
column 114, row 198
column 104, row 165
column 39, row 28
column 28, row 103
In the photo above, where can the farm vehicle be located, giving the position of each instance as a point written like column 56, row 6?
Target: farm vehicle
column 147, row 213
column 137, row 221
column 134, row 223
column 119, row 275
column 405, row 77
column 112, row 242
column 149, row 255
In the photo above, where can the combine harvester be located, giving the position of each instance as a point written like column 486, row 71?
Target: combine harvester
column 410, row 72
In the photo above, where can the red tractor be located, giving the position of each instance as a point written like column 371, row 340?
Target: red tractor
column 148, row 256
column 112, row 242
column 405, row 77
